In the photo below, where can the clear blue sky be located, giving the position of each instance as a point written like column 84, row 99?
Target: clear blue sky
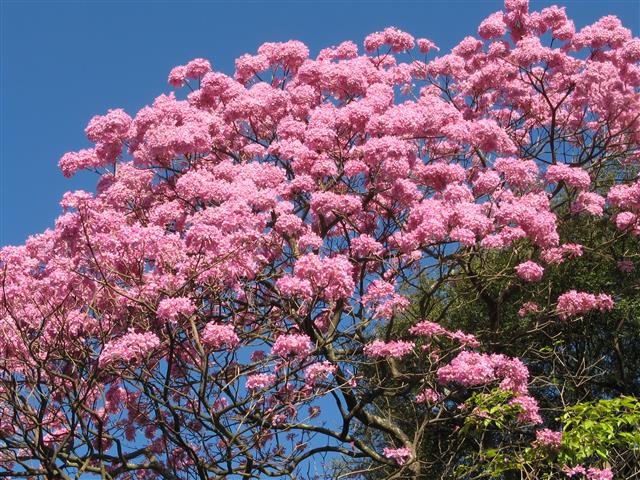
column 64, row 61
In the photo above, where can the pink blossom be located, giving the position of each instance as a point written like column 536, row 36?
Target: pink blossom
column 396, row 349
column 556, row 255
column 426, row 45
column 468, row 47
column 216, row 335
column 599, row 474
column 627, row 221
column 428, row 396
column 130, row 347
column 530, row 413
column 396, row 39
column 549, row 437
column 171, row 309
column 625, row 196
column 528, row 307
column 492, row 27
column 110, row 128
column 400, row 455
column 72, row 162
column 631, row 50
column 317, row 371
column 486, row 182
column 428, row 329
column 343, row 51
column 56, row 435
column 365, row 245
column 572, row 176
column 573, row 303
column 260, row 380
column 608, row 31
column 331, row 277
column 530, row 271
column 290, row 55
column 472, row 369
column 298, row 345
column 220, row 404
column 573, row 471
column 626, row 266
column 519, row 173
column 197, row 68
column 177, row 76
column 589, row 202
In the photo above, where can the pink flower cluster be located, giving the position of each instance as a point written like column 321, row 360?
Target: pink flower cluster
column 329, row 277
column 382, row 298
column 428, row 396
column 556, row 255
column 428, row 329
column 170, row 309
column 396, row 39
column 216, row 336
column 472, row 369
column 599, row 474
column 626, row 197
column 297, row 345
column 318, row 371
column 572, row 176
column 130, row 347
column 56, row 435
column 591, row 474
column 400, row 455
column 528, row 307
column 195, row 69
column 259, row 381
column 549, row 438
column 108, row 132
column 395, row 349
column 530, row 409
column 530, row 271
column 573, row 303
column 626, row 266
column 493, row 26
column 589, row 202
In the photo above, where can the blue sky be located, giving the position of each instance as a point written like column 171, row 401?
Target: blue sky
column 64, row 61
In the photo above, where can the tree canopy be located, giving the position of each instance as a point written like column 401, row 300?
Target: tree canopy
column 387, row 264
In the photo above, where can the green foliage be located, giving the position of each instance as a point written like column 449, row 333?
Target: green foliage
column 490, row 410
column 593, row 434
column 595, row 430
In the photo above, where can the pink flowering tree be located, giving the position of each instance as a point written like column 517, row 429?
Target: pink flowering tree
column 228, row 302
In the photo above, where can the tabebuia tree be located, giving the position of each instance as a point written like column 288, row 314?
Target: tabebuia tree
column 387, row 264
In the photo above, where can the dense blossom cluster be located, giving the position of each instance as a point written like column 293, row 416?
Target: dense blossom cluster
column 573, row 303
column 298, row 345
column 471, row 369
column 259, row 380
column 172, row 308
column 530, row 271
column 549, row 438
column 589, row 473
column 130, row 347
column 217, row 336
column 254, row 240
column 397, row 348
